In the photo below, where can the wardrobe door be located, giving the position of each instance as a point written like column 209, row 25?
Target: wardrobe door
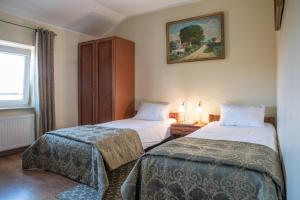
column 124, row 79
column 86, row 84
column 105, row 81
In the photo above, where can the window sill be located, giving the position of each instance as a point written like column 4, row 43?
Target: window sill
column 16, row 108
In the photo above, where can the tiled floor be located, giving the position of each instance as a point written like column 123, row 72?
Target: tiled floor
column 16, row 184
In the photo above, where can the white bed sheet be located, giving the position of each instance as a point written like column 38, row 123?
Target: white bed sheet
column 265, row 135
column 150, row 132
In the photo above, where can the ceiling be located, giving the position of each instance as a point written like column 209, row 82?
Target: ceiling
column 92, row 17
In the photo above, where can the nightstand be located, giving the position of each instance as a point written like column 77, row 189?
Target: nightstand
column 181, row 129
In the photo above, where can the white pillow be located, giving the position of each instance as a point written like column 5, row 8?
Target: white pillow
column 153, row 111
column 235, row 115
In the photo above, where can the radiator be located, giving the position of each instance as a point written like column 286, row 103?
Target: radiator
column 16, row 131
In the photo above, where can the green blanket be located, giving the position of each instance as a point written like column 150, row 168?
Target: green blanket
column 193, row 168
column 87, row 154
column 117, row 146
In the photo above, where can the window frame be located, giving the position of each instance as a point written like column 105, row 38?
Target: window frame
column 26, row 51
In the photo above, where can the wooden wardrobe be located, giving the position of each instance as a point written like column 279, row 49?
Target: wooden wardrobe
column 105, row 80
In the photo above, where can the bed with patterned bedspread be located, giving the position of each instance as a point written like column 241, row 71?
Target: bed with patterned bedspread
column 96, row 156
column 194, row 168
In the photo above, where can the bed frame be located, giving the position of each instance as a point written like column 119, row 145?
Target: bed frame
column 174, row 115
column 271, row 120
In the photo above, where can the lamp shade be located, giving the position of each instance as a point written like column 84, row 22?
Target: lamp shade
column 199, row 108
column 181, row 108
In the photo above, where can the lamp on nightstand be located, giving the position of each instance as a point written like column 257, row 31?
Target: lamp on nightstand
column 181, row 110
column 199, row 110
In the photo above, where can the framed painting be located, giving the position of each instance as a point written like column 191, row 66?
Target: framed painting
column 196, row 38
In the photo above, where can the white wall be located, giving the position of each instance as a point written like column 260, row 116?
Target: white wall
column 288, row 98
column 65, row 64
column 247, row 75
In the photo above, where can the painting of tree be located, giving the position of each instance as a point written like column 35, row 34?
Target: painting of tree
column 197, row 38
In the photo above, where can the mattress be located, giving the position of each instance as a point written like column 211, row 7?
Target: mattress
column 264, row 136
column 150, row 132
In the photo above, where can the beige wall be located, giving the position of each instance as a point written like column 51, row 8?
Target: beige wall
column 288, row 97
column 65, row 65
column 247, row 75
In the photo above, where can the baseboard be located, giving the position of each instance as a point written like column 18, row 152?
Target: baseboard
column 13, row 151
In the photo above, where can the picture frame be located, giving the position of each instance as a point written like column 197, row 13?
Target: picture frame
column 196, row 39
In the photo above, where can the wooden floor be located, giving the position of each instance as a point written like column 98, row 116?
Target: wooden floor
column 16, row 184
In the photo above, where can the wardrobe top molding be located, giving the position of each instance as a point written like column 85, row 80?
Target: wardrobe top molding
column 105, row 39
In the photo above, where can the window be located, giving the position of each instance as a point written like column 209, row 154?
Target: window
column 14, row 75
